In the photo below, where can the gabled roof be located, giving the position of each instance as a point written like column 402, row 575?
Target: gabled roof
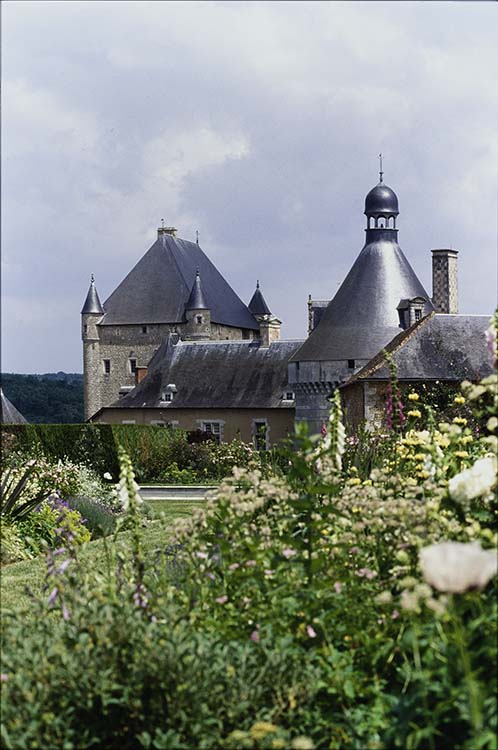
column 215, row 374
column 363, row 317
column 158, row 287
column 438, row 347
column 10, row 415
column 258, row 305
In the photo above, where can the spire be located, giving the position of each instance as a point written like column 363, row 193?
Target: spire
column 196, row 299
column 92, row 304
column 381, row 173
column 258, row 305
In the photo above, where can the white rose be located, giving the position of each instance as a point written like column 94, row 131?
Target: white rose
column 456, row 567
column 474, row 482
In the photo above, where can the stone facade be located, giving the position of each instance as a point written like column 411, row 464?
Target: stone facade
column 445, row 281
column 126, row 345
column 234, row 423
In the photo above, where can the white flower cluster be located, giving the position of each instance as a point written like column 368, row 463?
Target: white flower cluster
column 455, row 567
column 474, row 482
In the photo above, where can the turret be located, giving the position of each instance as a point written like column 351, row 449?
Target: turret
column 269, row 325
column 91, row 313
column 197, row 313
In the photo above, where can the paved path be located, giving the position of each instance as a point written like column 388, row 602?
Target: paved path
column 174, row 492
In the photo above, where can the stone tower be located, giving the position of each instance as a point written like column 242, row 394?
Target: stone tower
column 91, row 313
column 445, row 280
column 366, row 313
column 197, row 313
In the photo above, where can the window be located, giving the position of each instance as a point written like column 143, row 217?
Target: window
column 198, row 318
column 133, row 366
column 288, row 396
column 351, row 364
column 418, row 314
column 144, row 329
column 107, row 366
column 260, row 434
column 85, row 328
column 167, row 397
column 128, row 421
column 212, row 428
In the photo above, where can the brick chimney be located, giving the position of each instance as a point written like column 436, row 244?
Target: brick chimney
column 445, row 280
column 167, row 230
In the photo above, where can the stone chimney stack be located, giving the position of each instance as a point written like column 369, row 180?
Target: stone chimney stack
column 167, row 230
column 445, row 280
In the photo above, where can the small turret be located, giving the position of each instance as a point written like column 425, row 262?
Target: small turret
column 91, row 313
column 269, row 325
column 197, row 313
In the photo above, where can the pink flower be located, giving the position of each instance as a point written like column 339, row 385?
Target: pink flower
column 311, row 632
column 4, row 677
column 202, row 555
column 288, row 552
column 395, row 614
column 269, row 572
column 233, row 566
column 250, row 563
column 337, row 587
column 222, row 599
column 354, row 550
column 255, row 636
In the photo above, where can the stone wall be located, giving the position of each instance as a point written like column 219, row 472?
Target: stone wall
column 234, row 422
column 119, row 344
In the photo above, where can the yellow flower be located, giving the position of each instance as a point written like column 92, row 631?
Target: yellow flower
column 261, row 728
column 414, row 413
column 354, row 480
column 459, row 400
column 413, row 397
column 460, row 420
column 461, row 454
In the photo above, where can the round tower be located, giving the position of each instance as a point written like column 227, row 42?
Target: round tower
column 197, row 313
column 91, row 313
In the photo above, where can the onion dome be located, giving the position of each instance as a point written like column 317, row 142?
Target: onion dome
column 196, row 300
column 381, row 200
column 258, row 305
column 92, row 304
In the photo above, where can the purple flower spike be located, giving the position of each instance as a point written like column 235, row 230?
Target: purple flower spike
column 53, row 595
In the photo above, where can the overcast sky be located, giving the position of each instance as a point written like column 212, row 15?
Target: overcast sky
column 258, row 124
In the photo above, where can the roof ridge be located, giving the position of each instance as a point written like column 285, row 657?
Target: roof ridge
column 392, row 347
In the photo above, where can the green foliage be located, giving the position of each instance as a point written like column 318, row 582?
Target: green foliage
column 52, row 398
column 287, row 611
column 17, row 499
column 12, row 545
column 99, row 519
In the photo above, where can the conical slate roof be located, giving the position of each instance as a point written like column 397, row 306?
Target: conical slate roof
column 157, row 289
column 92, row 302
column 258, row 305
column 10, row 415
column 196, row 300
column 363, row 317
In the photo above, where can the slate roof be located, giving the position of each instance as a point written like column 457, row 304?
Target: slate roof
column 363, row 317
column 196, row 299
column 92, row 302
column 158, row 287
column 10, row 415
column 215, row 374
column 438, row 347
column 258, row 305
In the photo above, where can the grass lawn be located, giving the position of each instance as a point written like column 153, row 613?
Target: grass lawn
column 30, row 573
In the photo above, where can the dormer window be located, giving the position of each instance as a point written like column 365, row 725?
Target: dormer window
column 167, row 397
column 289, row 396
column 133, row 366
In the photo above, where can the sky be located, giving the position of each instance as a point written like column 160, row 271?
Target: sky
column 257, row 124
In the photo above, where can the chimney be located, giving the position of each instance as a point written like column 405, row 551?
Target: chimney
column 445, row 280
column 269, row 330
column 140, row 374
column 166, row 230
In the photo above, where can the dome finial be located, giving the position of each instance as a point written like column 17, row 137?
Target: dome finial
column 381, row 173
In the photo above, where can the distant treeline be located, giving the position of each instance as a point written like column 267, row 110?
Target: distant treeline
column 50, row 398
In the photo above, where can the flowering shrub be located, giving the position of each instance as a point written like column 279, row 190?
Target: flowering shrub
column 320, row 609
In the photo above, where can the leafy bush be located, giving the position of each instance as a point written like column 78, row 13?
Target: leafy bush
column 99, row 519
column 316, row 609
column 12, row 545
